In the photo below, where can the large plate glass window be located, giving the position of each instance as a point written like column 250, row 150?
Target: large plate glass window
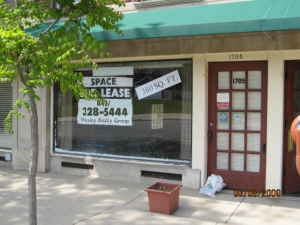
column 158, row 108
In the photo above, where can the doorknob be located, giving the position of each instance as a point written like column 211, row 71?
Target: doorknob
column 210, row 133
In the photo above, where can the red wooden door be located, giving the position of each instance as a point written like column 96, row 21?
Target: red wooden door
column 237, row 123
column 291, row 180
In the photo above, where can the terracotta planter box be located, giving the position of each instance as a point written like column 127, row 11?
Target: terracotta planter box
column 163, row 197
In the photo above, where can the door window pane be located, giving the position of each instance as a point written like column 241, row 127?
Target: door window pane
column 254, row 79
column 237, row 162
column 222, row 141
column 253, row 163
column 223, row 100
column 223, row 120
column 238, row 100
column 237, row 141
column 238, row 80
column 254, row 100
column 223, row 80
column 254, row 121
column 253, row 142
column 238, row 121
column 222, row 161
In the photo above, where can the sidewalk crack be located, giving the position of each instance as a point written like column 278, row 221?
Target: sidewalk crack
column 233, row 212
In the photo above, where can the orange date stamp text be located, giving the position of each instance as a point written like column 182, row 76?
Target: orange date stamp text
column 269, row 193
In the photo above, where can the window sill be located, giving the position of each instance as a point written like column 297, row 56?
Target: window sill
column 120, row 159
column 5, row 150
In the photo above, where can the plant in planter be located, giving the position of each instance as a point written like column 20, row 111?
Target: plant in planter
column 163, row 197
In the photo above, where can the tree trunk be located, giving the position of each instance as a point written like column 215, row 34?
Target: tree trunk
column 33, row 162
column 34, row 136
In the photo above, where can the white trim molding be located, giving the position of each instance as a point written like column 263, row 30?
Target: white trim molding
column 275, row 121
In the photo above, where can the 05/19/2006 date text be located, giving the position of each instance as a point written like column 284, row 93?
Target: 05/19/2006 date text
column 269, row 193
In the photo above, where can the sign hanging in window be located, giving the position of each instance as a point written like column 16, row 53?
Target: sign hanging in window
column 117, row 112
column 223, row 100
column 157, row 85
column 117, row 91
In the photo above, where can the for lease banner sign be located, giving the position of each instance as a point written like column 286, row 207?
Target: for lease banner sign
column 117, row 91
column 158, row 85
column 117, row 112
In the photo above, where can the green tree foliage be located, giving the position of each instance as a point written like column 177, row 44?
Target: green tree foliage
column 41, row 46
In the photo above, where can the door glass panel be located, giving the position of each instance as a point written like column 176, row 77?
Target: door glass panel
column 237, row 141
column 254, row 121
column 238, row 100
column 222, row 161
column 223, row 80
column 223, row 100
column 253, row 142
column 238, row 80
column 254, row 79
column 223, row 121
column 237, row 162
column 254, row 100
column 222, row 141
column 253, row 163
column 238, row 121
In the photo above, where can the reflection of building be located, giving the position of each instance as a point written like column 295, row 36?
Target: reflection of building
column 247, row 50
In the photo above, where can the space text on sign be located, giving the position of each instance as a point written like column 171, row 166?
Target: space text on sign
column 107, row 82
column 158, row 85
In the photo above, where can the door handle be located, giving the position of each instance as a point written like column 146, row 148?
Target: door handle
column 210, row 134
column 264, row 148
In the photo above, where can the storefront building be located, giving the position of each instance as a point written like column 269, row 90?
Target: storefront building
column 192, row 90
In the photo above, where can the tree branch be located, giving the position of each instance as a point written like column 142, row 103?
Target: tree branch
column 20, row 73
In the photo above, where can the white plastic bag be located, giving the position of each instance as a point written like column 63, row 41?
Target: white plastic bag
column 213, row 184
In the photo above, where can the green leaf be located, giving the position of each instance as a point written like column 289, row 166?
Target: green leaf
column 54, row 53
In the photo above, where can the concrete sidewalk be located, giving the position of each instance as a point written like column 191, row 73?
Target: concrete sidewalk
column 72, row 200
